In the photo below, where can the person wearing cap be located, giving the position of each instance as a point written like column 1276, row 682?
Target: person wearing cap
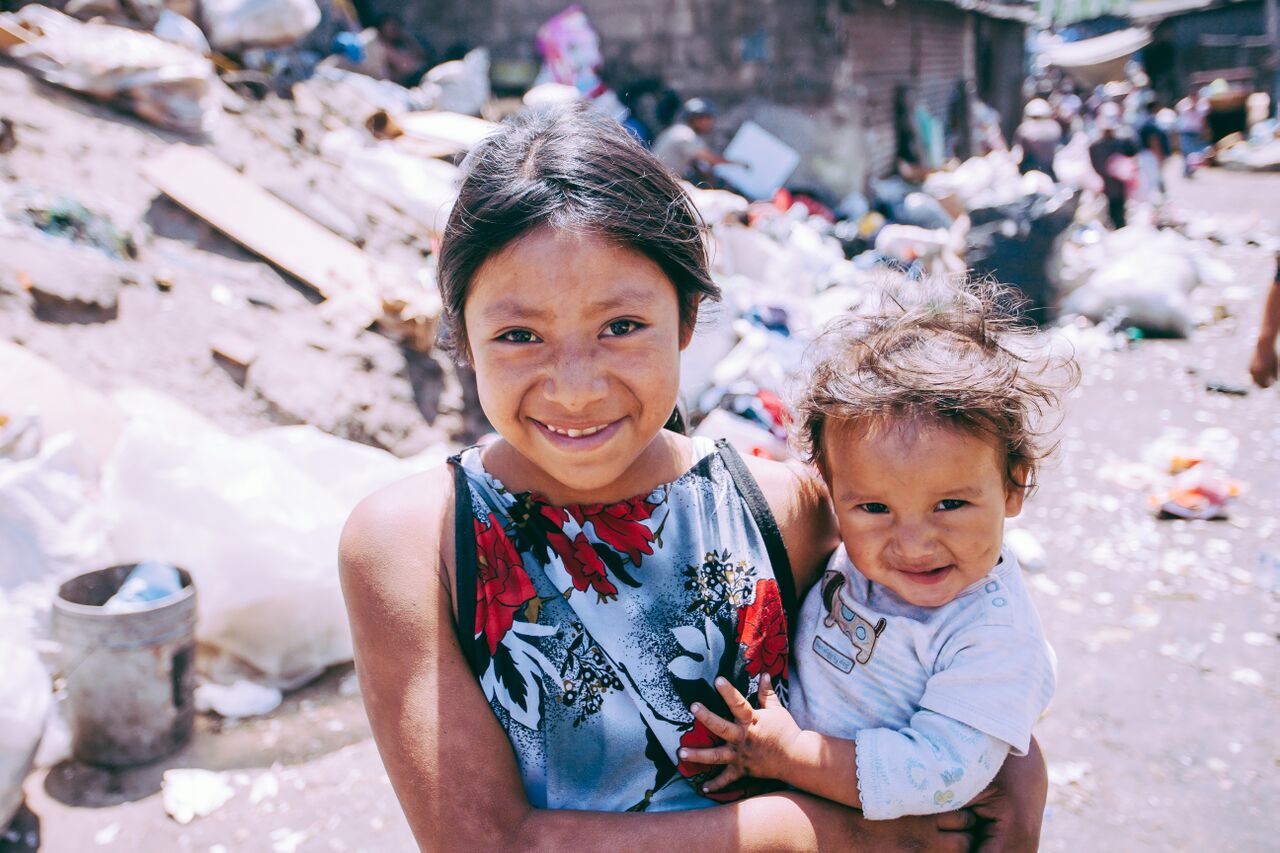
column 1038, row 136
column 682, row 148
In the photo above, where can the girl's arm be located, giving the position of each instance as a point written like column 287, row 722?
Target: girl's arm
column 450, row 762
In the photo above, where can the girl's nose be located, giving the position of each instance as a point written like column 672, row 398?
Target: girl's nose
column 576, row 381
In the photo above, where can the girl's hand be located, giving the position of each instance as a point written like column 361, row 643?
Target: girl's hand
column 759, row 742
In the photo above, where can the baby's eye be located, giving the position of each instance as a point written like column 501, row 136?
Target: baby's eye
column 518, row 336
column 619, row 328
column 950, row 504
column 873, row 508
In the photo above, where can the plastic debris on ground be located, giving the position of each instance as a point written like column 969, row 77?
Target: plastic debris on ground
column 1258, row 152
column 459, row 86
column 161, row 82
column 1027, row 549
column 146, row 584
column 237, row 700
column 190, row 793
column 255, row 520
column 24, row 711
column 1186, row 477
column 1138, row 276
column 235, row 24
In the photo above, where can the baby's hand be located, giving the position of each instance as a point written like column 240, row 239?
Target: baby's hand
column 759, row 742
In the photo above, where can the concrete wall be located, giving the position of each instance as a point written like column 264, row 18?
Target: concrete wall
column 717, row 48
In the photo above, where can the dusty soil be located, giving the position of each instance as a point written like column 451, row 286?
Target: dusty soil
column 190, row 288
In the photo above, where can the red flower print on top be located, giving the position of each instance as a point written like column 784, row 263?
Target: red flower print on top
column 700, row 737
column 580, row 559
column 504, row 586
column 620, row 525
column 762, row 629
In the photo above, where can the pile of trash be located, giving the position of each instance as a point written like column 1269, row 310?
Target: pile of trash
column 166, row 83
column 1139, row 277
column 1257, row 152
column 88, row 481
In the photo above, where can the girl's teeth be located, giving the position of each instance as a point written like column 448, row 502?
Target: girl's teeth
column 575, row 433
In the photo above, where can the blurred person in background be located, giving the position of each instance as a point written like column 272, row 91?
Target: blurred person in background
column 1263, row 367
column 1153, row 150
column 1111, row 153
column 683, row 147
column 1038, row 137
column 1192, row 114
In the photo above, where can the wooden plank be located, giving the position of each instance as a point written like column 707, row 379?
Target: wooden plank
column 262, row 223
column 460, row 131
column 12, row 35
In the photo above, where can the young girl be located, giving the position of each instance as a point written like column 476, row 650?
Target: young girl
column 920, row 660
column 532, row 621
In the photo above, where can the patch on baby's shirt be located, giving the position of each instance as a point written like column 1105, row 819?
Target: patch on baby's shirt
column 861, row 633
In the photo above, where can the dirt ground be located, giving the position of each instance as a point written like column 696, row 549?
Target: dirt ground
column 1161, row 736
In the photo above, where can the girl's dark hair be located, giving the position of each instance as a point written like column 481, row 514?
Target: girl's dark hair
column 938, row 351
column 575, row 169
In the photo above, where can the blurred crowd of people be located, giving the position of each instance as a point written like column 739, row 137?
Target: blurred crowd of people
column 1131, row 133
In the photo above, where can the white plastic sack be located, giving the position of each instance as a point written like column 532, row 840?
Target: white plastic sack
column 164, row 83
column 256, row 521
column 1141, row 289
column 550, row 95
column 1072, row 165
column 174, row 28
column 459, row 86
column 48, row 523
column 938, row 249
column 235, row 24
column 714, row 206
column 421, row 187
column 27, row 698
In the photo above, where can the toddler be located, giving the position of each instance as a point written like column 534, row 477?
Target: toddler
column 920, row 662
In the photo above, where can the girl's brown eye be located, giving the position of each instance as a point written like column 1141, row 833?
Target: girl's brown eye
column 517, row 336
column 618, row 328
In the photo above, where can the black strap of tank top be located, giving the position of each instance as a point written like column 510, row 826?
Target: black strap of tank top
column 759, row 508
column 465, row 577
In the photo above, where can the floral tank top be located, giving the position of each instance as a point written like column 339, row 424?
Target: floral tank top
column 595, row 626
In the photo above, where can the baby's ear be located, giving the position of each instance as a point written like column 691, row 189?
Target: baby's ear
column 1015, row 491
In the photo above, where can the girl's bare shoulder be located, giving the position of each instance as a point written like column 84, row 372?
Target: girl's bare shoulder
column 801, row 505
column 401, row 534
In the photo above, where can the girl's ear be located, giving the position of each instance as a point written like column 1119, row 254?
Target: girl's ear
column 687, row 327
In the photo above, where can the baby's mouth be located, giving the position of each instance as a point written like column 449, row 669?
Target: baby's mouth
column 928, row 576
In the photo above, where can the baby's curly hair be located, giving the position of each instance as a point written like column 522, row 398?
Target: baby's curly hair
column 947, row 351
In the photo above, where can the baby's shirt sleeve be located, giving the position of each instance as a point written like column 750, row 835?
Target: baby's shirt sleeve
column 934, row 765
column 990, row 685
column 996, row 678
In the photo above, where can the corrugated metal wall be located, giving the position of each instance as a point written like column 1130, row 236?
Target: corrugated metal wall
column 924, row 47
